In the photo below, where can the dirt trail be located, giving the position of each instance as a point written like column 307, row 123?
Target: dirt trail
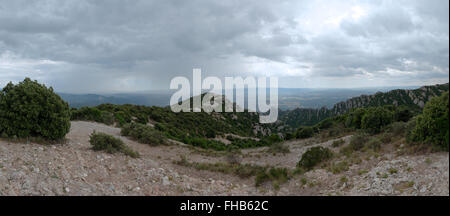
column 74, row 169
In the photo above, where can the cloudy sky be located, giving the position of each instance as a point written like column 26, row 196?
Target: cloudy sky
column 96, row 46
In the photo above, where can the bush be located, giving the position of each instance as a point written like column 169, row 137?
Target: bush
column 274, row 138
column 337, row 143
column 143, row 134
column 276, row 175
column 122, row 117
column 398, row 128
column 289, row 136
column 376, row 118
column 92, row 114
column 279, row 148
column 403, row 114
column 432, row 126
column 357, row 142
column 354, row 118
column 110, row 144
column 374, row 144
column 233, row 157
column 314, row 156
column 304, row 132
column 386, row 138
column 30, row 109
column 325, row 124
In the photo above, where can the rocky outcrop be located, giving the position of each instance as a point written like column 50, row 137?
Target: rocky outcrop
column 413, row 98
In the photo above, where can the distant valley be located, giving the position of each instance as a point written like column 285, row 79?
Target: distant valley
column 289, row 98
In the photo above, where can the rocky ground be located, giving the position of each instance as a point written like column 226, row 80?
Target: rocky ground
column 72, row 168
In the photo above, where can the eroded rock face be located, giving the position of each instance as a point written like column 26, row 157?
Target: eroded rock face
column 413, row 98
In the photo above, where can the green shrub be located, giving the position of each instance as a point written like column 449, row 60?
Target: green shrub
column 92, row 114
column 374, row 144
column 304, row 132
column 357, row 142
column 376, row 118
column 314, row 156
column 86, row 114
column 289, row 136
column 279, row 148
column 143, row 134
column 110, row 144
column 274, row 138
column 385, row 138
column 398, row 128
column 325, row 124
column 403, row 114
column 262, row 174
column 339, row 167
column 107, row 118
column 432, row 126
column 354, row 118
column 30, row 109
column 337, row 143
column 122, row 117
column 276, row 175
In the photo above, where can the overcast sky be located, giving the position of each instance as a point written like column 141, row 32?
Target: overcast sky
column 116, row 46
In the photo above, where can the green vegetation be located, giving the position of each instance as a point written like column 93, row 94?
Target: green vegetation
column 374, row 144
column 30, row 109
column 241, row 170
column 357, row 142
column 279, row 148
column 376, row 118
column 432, row 126
column 375, row 115
column 275, row 175
column 143, row 134
column 400, row 98
column 304, row 132
column 314, row 156
column 110, row 144
column 354, row 118
column 196, row 129
column 393, row 171
column 92, row 114
column 339, row 167
column 337, row 143
column 262, row 174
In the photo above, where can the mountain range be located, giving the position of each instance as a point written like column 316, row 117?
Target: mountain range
column 415, row 98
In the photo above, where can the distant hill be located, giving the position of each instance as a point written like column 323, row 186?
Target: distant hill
column 415, row 98
column 90, row 100
column 289, row 98
column 308, row 101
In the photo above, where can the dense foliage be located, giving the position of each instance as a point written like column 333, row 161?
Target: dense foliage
column 143, row 134
column 110, row 144
column 304, row 132
column 314, row 156
column 413, row 99
column 376, row 118
column 432, row 126
column 92, row 114
column 30, row 109
column 197, row 129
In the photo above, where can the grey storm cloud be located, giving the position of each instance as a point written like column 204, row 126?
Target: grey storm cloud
column 118, row 45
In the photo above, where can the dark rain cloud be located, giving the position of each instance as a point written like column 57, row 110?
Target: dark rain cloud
column 103, row 46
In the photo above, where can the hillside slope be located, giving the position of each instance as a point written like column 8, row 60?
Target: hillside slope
column 414, row 99
column 73, row 168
